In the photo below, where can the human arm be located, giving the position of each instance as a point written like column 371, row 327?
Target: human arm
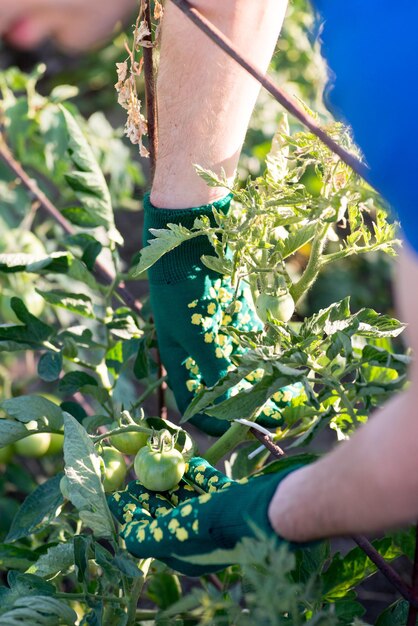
column 73, row 24
column 205, row 99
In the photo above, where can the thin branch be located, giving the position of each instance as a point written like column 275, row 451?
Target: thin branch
column 268, row 443
column 288, row 103
column 162, row 389
column 100, row 268
column 386, row 569
column 150, row 92
column 413, row 609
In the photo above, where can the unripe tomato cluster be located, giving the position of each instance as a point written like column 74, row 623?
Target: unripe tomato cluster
column 158, row 465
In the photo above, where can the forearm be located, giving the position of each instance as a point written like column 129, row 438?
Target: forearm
column 365, row 485
column 205, row 99
column 371, row 482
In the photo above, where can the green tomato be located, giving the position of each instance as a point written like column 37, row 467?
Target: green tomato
column 56, row 443
column 159, row 470
column 6, row 454
column 281, row 307
column 128, row 443
column 33, row 446
column 114, row 468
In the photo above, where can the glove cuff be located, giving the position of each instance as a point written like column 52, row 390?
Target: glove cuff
column 184, row 261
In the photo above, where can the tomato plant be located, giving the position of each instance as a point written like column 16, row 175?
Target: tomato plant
column 84, row 341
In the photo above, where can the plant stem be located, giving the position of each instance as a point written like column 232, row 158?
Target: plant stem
column 120, row 431
column 155, row 385
column 386, row 569
column 413, row 610
column 314, row 264
column 229, row 440
column 82, row 596
column 133, row 600
column 150, row 93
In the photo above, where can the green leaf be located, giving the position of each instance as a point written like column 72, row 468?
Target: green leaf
column 11, row 431
column 75, row 302
column 79, row 217
column 222, row 266
column 394, row 615
column 49, row 366
column 32, row 331
column 248, row 401
column 119, row 354
column 32, row 407
column 348, row 608
column 141, row 367
column 89, row 246
column 38, row 510
column 373, row 324
column 82, row 469
column 26, row 585
column 75, row 381
column 12, row 557
column 39, row 611
column 297, row 239
column 277, row 160
column 82, row 546
column 57, row 559
column 346, row 572
column 165, row 239
column 87, row 179
column 127, row 565
column 164, row 589
column 231, row 379
column 56, row 262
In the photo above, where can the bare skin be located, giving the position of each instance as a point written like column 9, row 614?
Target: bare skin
column 205, row 99
column 75, row 25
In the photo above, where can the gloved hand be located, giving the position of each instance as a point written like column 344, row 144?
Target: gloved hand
column 191, row 306
column 182, row 523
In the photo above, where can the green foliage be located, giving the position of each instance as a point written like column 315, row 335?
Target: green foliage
column 304, row 218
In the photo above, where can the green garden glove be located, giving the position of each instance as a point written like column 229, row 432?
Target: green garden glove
column 191, row 306
column 181, row 523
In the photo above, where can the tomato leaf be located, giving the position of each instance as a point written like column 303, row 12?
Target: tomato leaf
column 49, row 366
column 39, row 611
column 58, row 558
column 76, row 302
column 33, row 407
column 38, row 509
column 82, row 469
column 87, row 180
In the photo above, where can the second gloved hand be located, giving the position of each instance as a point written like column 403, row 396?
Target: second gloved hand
column 191, row 306
column 178, row 524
